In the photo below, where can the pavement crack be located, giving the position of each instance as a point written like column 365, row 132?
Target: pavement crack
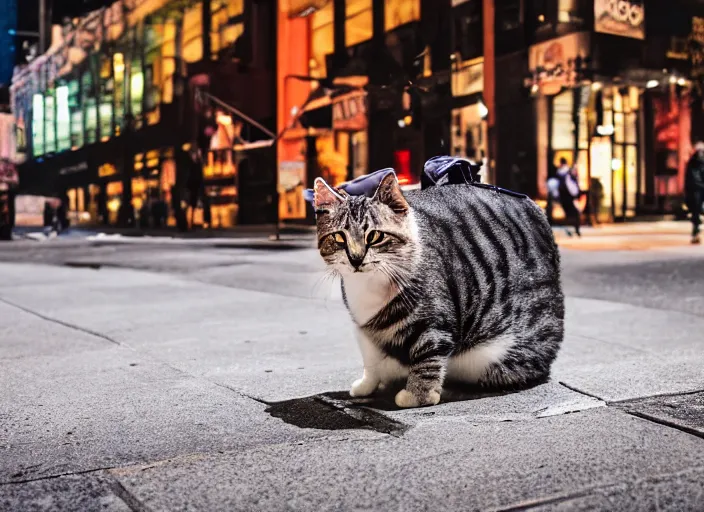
column 237, row 391
column 591, row 489
column 657, row 395
column 585, row 393
column 666, row 423
column 60, row 322
column 54, row 476
column 121, row 492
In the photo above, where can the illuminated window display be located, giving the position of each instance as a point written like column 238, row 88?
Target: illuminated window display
column 38, row 124
column 63, row 119
column 75, row 114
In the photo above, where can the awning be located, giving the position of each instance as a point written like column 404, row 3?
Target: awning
column 340, row 108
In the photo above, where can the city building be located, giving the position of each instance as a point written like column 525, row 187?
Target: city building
column 104, row 115
column 289, row 90
column 367, row 84
column 612, row 87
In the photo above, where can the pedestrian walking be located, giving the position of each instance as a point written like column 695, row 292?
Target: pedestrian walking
column 564, row 189
column 569, row 193
column 694, row 188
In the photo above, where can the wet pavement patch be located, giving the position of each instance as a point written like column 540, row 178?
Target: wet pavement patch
column 684, row 412
column 334, row 411
column 79, row 264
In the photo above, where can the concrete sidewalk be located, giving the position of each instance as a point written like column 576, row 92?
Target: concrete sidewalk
column 627, row 236
column 128, row 390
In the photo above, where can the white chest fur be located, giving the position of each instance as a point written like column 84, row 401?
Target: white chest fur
column 367, row 293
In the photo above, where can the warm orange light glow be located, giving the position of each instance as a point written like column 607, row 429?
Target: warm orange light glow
column 224, row 120
column 404, row 180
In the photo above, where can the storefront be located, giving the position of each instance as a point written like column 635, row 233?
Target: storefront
column 595, row 121
column 469, row 126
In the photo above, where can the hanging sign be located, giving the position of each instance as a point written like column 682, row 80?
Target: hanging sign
column 624, row 18
column 554, row 64
column 349, row 112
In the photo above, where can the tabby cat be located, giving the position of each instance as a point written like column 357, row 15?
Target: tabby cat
column 452, row 282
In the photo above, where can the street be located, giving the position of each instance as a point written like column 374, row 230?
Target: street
column 153, row 374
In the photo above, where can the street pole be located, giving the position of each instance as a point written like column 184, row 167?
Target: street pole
column 42, row 26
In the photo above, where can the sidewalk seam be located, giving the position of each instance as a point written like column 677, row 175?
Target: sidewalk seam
column 60, row 322
column 589, row 490
column 663, row 422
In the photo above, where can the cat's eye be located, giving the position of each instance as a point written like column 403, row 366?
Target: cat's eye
column 374, row 237
column 339, row 238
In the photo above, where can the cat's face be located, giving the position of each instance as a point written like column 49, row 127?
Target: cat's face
column 362, row 234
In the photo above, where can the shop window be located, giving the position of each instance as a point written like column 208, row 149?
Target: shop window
column 632, row 128
column 563, row 136
column 75, row 114
column 49, row 122
column 152, row 77
column 114, row 200
column 631, row 180
column 583, row 141
column 468, row 78
column 118, row 62
column 617, row 102
column 358, row 22
column 167, row 63
column 400, row 12
column 90, row 107
column 107, row 89
column 38, row 124
column 619, row 129
column 227, row 23
column 321, row 39
column 193, row 33
column 63, row 119
column 617, row 167
column 468, row 132
column 78, row 213
column 600, row 183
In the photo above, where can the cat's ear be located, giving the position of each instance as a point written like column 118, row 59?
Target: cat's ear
column 389, row 193
column 325, row 196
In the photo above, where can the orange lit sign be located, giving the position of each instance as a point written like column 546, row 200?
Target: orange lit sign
column 106, row 170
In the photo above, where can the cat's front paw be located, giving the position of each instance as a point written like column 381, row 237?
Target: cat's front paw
column 406, row 399
column 363, row 387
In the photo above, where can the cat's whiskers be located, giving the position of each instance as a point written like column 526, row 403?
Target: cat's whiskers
column 329, row 276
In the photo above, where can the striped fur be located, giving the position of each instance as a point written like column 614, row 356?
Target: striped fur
column 465, row 286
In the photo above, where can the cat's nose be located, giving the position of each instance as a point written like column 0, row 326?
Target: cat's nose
column 356, row 260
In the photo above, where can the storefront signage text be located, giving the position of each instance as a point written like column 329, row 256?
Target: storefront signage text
column 620, row 17
column 350, row 112
column 83, row 166
column 556, row 64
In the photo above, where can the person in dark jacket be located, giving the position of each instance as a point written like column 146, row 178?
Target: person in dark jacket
column 694, row 188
